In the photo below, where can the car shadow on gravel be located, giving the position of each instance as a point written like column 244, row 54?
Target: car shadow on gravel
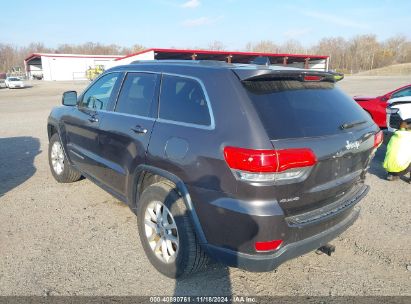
column 16, row 89
column 212, row 281
column 17, row 156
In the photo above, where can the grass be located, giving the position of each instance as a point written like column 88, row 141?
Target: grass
column 391, row 70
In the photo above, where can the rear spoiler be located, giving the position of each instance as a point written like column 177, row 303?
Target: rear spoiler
column 301, row 75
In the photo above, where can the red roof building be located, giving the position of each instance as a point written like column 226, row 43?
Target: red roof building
column 74, row 66
column 294, row 60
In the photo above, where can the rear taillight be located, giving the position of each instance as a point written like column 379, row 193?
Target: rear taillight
column 269, row 165
column 268, row 246
column 378, row 138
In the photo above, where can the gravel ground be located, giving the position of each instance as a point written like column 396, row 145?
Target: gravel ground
column 75, row 239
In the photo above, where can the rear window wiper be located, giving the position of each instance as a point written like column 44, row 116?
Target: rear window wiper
column 352, row 124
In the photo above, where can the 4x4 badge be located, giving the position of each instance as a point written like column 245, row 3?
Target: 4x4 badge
column 287, row 200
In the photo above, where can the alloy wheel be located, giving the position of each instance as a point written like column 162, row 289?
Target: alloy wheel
column 57, row 158
column 161, row 232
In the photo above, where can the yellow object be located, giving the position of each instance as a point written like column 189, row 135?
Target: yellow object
column 398, row 156
column 92, row 73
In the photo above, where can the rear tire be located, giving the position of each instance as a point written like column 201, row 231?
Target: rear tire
column 182, row 254
column 60, row 168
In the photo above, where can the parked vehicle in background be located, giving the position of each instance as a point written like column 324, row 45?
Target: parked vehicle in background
column 14, row 82
column 376, row 106
column 37, row 76
column 398, row 109
column 251, row 165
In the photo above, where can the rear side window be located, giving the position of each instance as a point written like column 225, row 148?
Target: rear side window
column 291, row 109
column 183, row 100
column 137, row 94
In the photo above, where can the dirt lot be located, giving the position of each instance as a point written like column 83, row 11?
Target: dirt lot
column 75, row 239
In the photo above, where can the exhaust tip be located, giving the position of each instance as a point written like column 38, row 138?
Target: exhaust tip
column 328, row 249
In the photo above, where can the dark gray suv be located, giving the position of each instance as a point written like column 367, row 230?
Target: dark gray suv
column 249, row 165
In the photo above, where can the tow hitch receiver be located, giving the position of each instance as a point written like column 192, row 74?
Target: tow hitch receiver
column 328, row 249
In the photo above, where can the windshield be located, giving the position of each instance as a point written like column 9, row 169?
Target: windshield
column 291, row 108
column 14, row 79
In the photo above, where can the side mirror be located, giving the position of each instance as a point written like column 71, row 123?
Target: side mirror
column 69, row 98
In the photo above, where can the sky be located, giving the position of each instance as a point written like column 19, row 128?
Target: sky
column 196, row 23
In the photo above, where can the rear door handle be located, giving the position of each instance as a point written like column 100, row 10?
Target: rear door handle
column 139, row 130
column 93, row 119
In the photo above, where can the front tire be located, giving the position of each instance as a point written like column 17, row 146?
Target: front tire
column 60, row 168
column 166, row 233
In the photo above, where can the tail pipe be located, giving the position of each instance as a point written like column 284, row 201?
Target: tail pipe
column 328, row 249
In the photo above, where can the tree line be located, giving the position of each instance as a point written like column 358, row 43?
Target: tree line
column 357, row 54
column 360, row 53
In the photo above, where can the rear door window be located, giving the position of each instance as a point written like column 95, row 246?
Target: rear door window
column 183, row 100
column 292, row 109
column 137, row 94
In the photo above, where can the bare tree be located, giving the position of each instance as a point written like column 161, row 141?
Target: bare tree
column 216, row 46
column 336, row 48
column 359, row 53
column 264, row 46
column 292, row 47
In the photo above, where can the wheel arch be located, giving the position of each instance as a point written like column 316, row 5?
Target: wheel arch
column 51, row 130
column 146, row 175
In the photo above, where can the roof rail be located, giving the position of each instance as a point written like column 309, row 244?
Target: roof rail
column 182, row 61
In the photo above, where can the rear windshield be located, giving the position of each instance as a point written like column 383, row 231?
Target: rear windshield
column 290, row 108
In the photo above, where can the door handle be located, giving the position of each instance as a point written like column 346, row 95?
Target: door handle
column 139, row 130
column 93, row 119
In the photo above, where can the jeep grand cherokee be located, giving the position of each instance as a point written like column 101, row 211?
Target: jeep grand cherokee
column 249, row 165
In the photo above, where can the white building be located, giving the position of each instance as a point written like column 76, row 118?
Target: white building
column 64, row 66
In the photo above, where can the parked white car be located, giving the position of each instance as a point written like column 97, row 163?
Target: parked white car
column 398, row 109
column 14, row 82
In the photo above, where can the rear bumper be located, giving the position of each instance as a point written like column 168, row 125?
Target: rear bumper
column 260, row 263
